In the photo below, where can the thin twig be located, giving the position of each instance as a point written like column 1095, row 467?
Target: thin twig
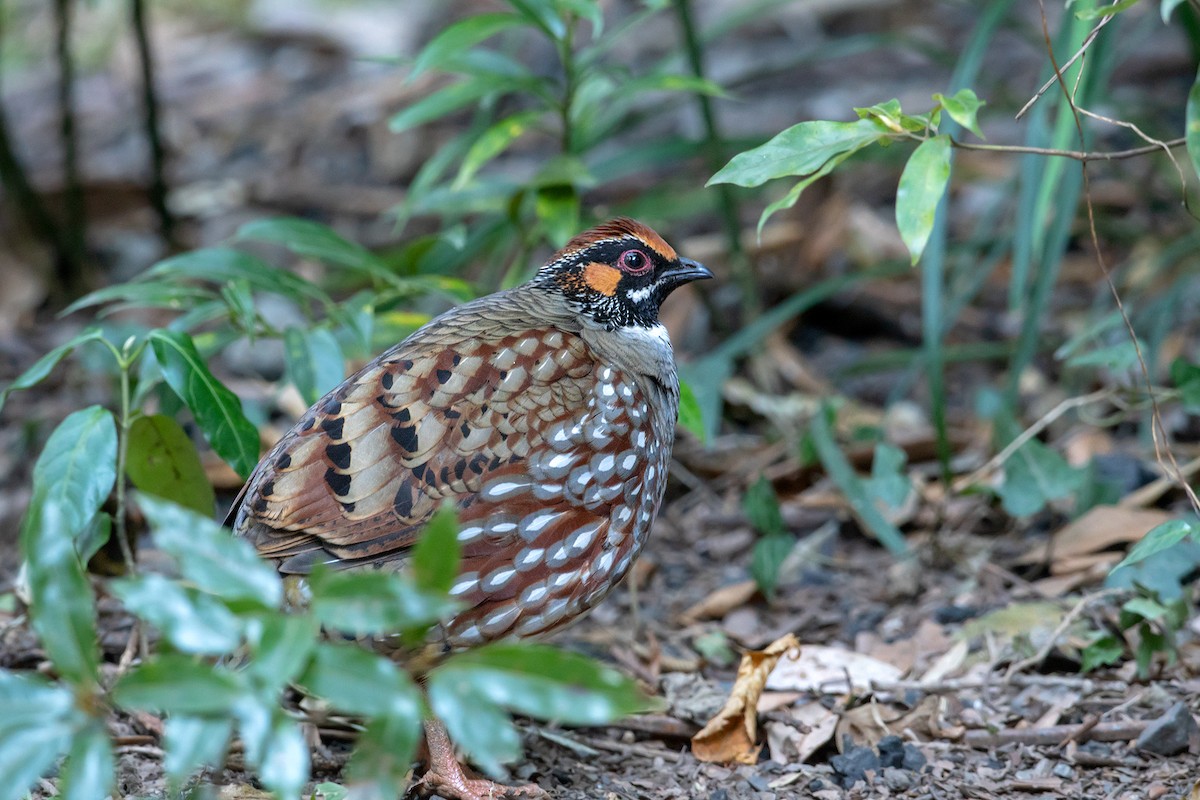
column 954, row 685
column 1067, row 621
column 1087, row 42
column 158, row 181
column 1077, row 155
column 1055, row 734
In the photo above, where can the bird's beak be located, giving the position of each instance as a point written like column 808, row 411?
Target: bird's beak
column 686, row 272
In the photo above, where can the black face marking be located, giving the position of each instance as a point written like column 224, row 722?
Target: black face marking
column 339, row 455
column 338, row 482
column 405, row 436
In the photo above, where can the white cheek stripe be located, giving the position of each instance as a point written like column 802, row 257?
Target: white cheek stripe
column 638, row 296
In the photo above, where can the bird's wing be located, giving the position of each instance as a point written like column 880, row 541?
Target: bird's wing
column 447, row 414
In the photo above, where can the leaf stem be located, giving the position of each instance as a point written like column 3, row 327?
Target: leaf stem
column 125, row 422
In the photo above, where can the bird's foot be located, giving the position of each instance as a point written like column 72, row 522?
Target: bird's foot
column 455, row 785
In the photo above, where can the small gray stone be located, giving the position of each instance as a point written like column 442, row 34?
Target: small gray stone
column 898, row 780
column 1063, row 771
column 1170, row 733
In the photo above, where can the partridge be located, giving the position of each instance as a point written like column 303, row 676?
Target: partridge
column 546, row 414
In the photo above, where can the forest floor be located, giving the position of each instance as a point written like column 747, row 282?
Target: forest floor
column 967, row 653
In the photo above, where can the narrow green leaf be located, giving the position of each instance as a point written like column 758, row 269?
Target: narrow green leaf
column 557, row 209
column 963, row 107
column 194, row 742
column 42, row 367
column 888, row 482
column 1088, row 14
column 435, row 558
column 314, row 361
column 839, row 469
column 461, row 36
column 799, row 150
column 218, row 411
column 1161, row 537
column 494, row 141
column 368, row 603
column 142, row 293
column 545, row 682
column 442, row 102
column 209, row 556
column 544, row 14
column 1192, row 127
column 179, row 684
column 761, row 505
column 922, row 187
column 163, row 461
column 691, row 415
column 310, row 239
column 225, row 264
column 767, row 560
column 357, row 681
column 88, row 772
column 193, row 622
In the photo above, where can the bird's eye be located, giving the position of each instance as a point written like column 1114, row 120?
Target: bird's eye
column 634, row 261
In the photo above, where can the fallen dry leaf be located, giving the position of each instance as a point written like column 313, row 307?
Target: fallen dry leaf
column 731, row 735
column 793, row 744
column 1098, row 529
column 825, row 670
column 721, row 602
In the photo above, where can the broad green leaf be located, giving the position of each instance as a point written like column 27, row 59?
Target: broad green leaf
column 88, row 772
column 163, row 461
column 282, row 645
column 310, row 239
column 789, row 199
column 691, row 416
column 842, row 473
column 284, row 764
column 442, row 102
column 799, row 150
column 888, row 113
column 218, row 411
column 761, row 505
column 435, row 558
column 494, row 141
column 209, row 556
column 192, row 622
column 963, row 107
column 42, row 367
column 544, row 682
column 1102, row 651
column 179, row 684
column 922, row 187
column 1192, row 128
column 368, row 603
column 766, row 560
column 474, row 721
column 72, row 478
column 225, row 264
column 29, row 700
column 314, row 361
column 357, row 681
column 461, row 36
column 1142, row 608
column 1034, row 476
column 335, row 791
column 28, row 753
column 194, row 742
column 382, row 756
column 1161, row 537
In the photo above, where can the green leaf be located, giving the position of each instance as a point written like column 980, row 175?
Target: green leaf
column 194, row 742
column 1106, row 10
column 475, row 723
column 88, row 772
column 443, row 101
column 761, row 505
column 461, row 36
column 193, row 622
column 1034, row 476
column 1159, row 538
column 767, row 559
column 72, row 478
column 1150, row 643
column 1167, row 8
column 218, row 411
column 42, row 367
column 691, row 416
column 888, row 482
column 922, row 187
column 839, row 469
column 963, row 107
column 1144, row 608
column 209, row 556
column 335, row 791
column 179, row 684
column 225, row 264
column 35, row 729
column 382, row 756
column 314, row 361
column 544, row 682
column 368, row 603
column 1105, row 649
column 557, row 208
column 282, row 645
column 313, row 240
column 435, row 558
column 142, row 293
column 494, row 141
column 789, row 199
column 545, row 14
column 888, row 113
column 163, row 461
column 799, row 150
column 283, row 767
column 357, row 681
column 1192, row 128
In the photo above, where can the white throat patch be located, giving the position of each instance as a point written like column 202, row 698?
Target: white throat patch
column 655, row 335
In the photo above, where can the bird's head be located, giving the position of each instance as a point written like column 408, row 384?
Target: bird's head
column 618, row 273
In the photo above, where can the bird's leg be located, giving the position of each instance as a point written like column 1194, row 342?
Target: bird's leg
column 448, row 778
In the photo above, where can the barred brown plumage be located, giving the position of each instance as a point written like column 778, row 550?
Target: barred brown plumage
column 545, row 413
